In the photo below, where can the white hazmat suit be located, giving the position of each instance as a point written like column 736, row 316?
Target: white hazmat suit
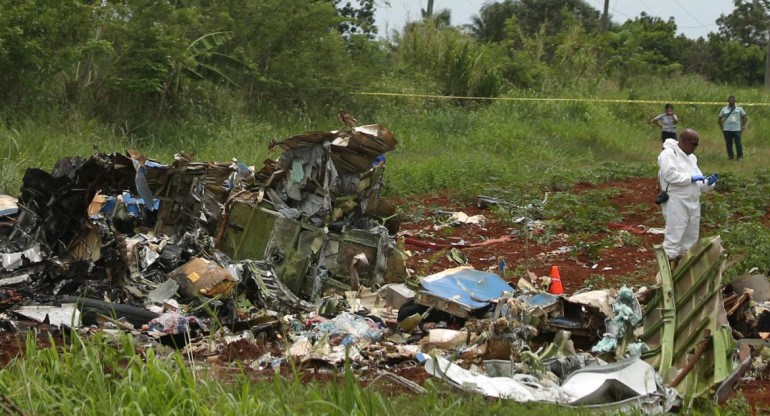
column 682, row 211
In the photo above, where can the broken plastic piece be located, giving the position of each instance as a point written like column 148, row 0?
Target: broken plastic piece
column 8, row 205
column 396, row 295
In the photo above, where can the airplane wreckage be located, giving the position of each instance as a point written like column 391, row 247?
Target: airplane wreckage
column 306, row 246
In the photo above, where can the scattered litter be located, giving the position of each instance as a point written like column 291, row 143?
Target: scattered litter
column 300, row 257
column 8, row 205
column 10, row 281
column 64, row 315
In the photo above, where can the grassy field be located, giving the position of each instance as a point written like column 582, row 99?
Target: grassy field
column 108, row 376
column 442, row 145
column 521, row 146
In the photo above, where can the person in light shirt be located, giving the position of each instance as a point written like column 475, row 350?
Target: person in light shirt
column 732, row 120
column 667, row 122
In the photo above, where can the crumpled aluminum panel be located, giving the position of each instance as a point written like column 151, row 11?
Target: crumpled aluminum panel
column 465, row 286
column 688, row 306
column 352, row 151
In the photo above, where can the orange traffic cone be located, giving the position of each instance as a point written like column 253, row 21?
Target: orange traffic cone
column 555, row 287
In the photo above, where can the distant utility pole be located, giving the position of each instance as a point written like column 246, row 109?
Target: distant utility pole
column 767, row 64
column 605, row 18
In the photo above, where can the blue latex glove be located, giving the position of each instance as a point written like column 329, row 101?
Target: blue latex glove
column 696, row 178
column 713, row 179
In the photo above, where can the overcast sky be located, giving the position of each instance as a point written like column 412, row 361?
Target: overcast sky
column 693, row 18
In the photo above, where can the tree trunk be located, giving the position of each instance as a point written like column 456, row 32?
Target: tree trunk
column 767, row 64
column 605, row 16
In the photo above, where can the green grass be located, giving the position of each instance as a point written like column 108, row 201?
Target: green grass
column 104, row 376
column 441, row 145
column 515, row 150
column 511, row 149
column 108, row 376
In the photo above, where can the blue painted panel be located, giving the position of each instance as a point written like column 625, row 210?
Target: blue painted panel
column 134, row 205
column 468, row 287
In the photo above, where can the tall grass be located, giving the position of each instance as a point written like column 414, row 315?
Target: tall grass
column 109, row 376
column 442, row 145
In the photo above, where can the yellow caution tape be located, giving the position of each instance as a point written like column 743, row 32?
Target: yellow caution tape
column 586, row 100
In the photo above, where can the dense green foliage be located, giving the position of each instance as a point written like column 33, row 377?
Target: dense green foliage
column 137, row 64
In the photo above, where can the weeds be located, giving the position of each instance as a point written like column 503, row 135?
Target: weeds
column 748, row 243
column 737, row 210
column 628, row 239
column 588, row 212
column 103, row 375
column 581, row 245
column 595, row 281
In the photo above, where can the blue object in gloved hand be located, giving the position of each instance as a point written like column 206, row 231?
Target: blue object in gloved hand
column 696, row 178
column 713, row 179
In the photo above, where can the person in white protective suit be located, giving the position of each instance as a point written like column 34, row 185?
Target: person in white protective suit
column 680, row 176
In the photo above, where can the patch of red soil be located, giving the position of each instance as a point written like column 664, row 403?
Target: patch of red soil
column 241, row 350
column 757, row 393
column 371, row 378
column 633, row 265
column 13, row 344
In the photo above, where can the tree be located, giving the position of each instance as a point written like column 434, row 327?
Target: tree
column 455, row 61
column 150, row 39
column 735, row 63
column 696, row 56
column 748, row 25
column 531, row 15
column 301, row 58
column 39, row 40
column 359, row 20
column 441, row 19
column 200, row 61
column 489, row 24
column 644, row 45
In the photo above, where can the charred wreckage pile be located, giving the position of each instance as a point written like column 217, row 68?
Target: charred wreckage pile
column 305, row 246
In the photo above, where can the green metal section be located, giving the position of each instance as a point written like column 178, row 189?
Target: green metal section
column 663, row 313
column 688, row 304
column 295, row 263
column 292, row 247
column 690, row 339
column 248, row 232
column 724, row 346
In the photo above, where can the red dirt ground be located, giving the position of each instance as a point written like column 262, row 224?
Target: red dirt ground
column 631, row 265
column 634, row 266
column 757, row 393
